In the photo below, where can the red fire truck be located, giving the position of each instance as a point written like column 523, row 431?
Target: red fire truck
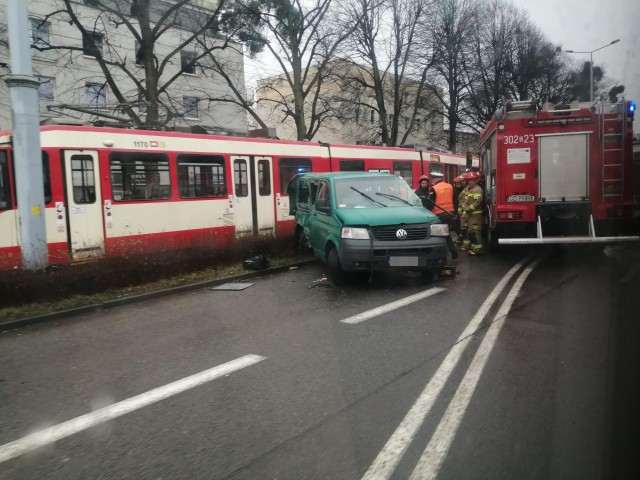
column 559, row 174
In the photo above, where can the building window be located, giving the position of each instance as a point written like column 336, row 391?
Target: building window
column 190, row 105
column 188, row 62
column 96, row 94
column 92, row 44
column 142, row 103
column 46, row 90
column 39, row 34
column 139, row 54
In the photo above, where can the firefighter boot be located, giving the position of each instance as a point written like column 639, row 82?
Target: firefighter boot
column 475, row 249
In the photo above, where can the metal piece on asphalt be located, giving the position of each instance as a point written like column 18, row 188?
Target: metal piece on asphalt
column 232, row 286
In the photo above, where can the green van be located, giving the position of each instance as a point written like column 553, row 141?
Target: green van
column 357, row 221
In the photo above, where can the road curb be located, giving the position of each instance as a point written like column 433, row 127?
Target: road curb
column 118, row 302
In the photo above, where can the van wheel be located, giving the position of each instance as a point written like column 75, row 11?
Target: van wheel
column 336, row 273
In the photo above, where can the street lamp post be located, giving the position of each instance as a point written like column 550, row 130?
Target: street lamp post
column 591, row 64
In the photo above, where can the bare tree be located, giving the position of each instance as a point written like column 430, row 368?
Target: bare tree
column 147, row 76
column 451, row 27
column 389, row 66
column 302, row 38
column 488, row 69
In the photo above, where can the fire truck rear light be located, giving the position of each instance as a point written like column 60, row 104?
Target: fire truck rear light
column 515, row 215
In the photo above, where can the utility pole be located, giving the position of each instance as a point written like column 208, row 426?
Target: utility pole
column 27, row 156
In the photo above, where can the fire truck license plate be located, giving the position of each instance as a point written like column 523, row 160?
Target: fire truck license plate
column 520, row 198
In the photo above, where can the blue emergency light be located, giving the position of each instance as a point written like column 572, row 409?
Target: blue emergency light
column 631, row 107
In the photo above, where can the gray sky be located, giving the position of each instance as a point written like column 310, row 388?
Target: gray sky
column 580, row 25
column 585, row 25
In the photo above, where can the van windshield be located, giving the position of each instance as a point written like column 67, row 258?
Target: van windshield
column 374, row 192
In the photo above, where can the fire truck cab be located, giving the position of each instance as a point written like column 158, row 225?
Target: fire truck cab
column 559, row 174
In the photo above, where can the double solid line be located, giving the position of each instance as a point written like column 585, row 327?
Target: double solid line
column 438, row 447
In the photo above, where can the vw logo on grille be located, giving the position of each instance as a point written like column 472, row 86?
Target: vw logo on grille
column 401, row 234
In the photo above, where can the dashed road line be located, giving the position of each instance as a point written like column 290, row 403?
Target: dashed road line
column 361, row 317
column 83, row 422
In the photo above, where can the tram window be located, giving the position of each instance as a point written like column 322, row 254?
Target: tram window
column 83, row 179
column 5, row 189
column 403, row 170
column 290, row 167
column 240, row 178
column 139, row 176
column 435, row 167
column 352, row 165
column 264, row 177
column 46, row 180
column 201, row 176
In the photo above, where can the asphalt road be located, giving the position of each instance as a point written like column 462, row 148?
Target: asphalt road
column 539, row 384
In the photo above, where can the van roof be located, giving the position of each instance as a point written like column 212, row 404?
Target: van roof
column 344, row 174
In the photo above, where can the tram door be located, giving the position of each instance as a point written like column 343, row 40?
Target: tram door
column 83, row 208
column 253, row 202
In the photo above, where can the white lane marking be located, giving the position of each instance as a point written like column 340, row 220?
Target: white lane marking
column 361, row 317
column 387, row 460
column 433, row 456
column 65, row 429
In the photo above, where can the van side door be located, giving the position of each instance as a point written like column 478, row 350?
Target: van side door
column 321, row 222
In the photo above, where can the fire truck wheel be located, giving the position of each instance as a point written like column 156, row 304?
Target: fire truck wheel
column 492, row 240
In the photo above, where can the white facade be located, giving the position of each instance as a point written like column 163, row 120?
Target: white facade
column 74, row 77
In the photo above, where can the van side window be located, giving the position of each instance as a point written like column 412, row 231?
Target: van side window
column 323, row 202
column 303, row 193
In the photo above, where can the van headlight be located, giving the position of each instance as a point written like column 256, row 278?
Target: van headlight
column 355, row 233
column 439, row 230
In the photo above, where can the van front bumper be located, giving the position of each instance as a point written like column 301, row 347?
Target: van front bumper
column 420, row 255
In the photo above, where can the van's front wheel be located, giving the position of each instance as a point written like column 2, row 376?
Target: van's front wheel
column 336, row 273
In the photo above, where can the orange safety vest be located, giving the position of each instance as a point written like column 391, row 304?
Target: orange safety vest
column 444, row 197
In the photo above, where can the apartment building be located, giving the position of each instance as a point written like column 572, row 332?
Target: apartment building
column 350, row 113
column 73, row 86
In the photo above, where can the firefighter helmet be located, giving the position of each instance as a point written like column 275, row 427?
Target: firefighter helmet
column 458, row 179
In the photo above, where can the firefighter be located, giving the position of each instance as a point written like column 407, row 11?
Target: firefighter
column 423, row 191
column 442, row 197
column 458, row 186
column 474, row 199
column 463, row 239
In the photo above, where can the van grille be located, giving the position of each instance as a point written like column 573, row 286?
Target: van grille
column 388, row 232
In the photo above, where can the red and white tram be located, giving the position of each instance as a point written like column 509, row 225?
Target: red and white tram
column 111, row 192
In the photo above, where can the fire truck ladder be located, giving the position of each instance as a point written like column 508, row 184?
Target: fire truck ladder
column 613, row 129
